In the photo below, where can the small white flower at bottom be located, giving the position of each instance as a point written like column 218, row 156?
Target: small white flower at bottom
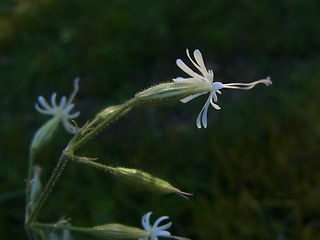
column 156, row 231
column 206, row 79
column 61, row 110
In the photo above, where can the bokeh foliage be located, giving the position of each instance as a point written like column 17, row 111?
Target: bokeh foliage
column 255, row 171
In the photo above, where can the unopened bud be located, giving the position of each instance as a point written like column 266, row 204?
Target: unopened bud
column 169, row 92
column 44, row 134
column 145, row 181
column 108, row 111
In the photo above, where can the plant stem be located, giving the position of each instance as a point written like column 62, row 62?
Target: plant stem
column 64, row 159
column 130, row 103
column 57, row 226
column 48, row 188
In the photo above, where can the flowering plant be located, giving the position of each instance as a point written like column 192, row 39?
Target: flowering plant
column 183, row 89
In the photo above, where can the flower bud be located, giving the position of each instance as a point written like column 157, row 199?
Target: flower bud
column 108, row 111
column 144, row 180
column 169, row 92
column 113, row 112
column 117, row 231
column 44, row 134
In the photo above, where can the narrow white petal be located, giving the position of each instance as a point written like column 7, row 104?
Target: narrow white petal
column 63, row 102
column 53, row 100
column 164, row 234
column 215, row 98
column 204, row 114
column 156, row 223
column 198, row 122
column 214, row 105
column 73, row 115
column 44, row 103
column 68, row 126
column 165, row 227
column 146, row 221
column 198, row 56
column 202, row 117
column 189, row 98
column 69, row 107
column 195, row 64
column 187, row 70
column 143, row 222
column 43, row 111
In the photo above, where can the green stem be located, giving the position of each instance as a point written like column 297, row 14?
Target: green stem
column 95, row 164
column 103, row 124
column 57, row 226
column 32, row 235
column 64, row 160
column 48, row 188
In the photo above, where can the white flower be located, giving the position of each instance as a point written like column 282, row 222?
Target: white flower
column 206, row 78
column 62, row 110
column 154, row 230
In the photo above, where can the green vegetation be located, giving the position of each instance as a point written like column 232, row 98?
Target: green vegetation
column 255, row 171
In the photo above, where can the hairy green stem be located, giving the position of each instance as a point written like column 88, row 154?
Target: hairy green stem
column 64, row 158
column 59, row 226
column 103, row 124
column 48, row 188
column 94, row 164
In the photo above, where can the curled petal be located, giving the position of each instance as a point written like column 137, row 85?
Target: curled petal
column 146, row 221
column 74, row 115
column 43, row 111
column 195, row 64
column 215, row 98
column 68, row 126
column 164, row 234
column 187, row 70
column 63, row 102
column 164, row 227
column 44, row 103
column 53, row 100
column 202, row 117
column 69, row 107
column 156, row 223
column 214, row 105
column 189, row 98
column 198, row 56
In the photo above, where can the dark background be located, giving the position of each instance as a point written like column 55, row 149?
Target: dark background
column 255, row 170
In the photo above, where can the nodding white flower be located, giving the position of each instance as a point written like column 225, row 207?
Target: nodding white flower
column 156, row 231
column 62, row 110
column 206, row 78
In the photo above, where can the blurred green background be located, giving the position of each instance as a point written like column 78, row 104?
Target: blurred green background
column 254, row 172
